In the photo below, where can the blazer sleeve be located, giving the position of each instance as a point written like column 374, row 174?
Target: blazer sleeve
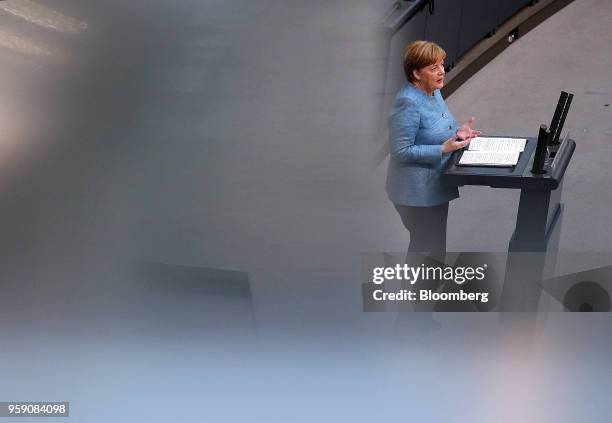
column 403, row 126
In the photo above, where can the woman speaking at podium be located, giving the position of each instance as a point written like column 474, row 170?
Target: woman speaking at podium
column 422, row 136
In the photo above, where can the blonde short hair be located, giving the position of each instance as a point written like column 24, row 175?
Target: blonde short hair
column 419, row 54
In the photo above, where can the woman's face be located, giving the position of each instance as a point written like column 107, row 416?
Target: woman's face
column 430, row 77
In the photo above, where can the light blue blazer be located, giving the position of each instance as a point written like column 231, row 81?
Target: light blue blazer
column 418, row 125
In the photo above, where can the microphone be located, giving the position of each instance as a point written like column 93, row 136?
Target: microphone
column 540, row 153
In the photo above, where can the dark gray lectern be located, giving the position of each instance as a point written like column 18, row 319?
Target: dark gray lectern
column 539, row 175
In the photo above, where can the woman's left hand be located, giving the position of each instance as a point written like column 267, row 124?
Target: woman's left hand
column 466, row 132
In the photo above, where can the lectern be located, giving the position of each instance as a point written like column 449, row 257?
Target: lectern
column 539, row 175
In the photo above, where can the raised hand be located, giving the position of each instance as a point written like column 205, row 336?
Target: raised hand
column 466, row 132
column 463, row 137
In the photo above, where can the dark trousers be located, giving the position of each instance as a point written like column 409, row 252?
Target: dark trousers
column 427, row 226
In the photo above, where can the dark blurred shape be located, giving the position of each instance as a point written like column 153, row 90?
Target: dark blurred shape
column 193, row 279
column 586, row 291
column 587, row 296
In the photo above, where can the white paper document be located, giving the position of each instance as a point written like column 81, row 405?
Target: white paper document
column 498, row 145
column 487, row 151
column 487, row 158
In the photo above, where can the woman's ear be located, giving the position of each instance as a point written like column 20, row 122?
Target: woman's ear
column 415, row 75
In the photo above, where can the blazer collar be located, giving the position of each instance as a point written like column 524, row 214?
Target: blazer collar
column 419, row 92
